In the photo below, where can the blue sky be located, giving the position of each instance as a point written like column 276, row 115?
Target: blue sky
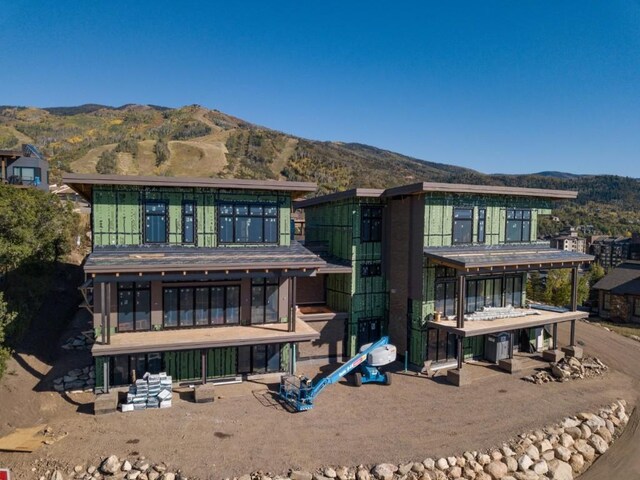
column 499, row 86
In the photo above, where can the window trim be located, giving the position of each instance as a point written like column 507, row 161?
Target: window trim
column 369, row 238
column 453, row 225
column 522, row 222
column 193, row 224
column 233, row 216
column 166, row 220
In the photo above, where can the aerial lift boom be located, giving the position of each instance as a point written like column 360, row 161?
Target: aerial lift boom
column 299, row 392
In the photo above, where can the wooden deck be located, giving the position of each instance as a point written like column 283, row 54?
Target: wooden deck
column 207, row 337
column 474, row 328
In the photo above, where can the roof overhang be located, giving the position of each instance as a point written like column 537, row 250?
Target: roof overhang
column 334, row 197
column 504, row 257
column 83, row 183
column 432, row 187
column 185, row 260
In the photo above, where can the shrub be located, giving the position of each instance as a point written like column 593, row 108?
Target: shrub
column 107, row 162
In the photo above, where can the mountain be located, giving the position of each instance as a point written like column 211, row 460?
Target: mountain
column 195, row 141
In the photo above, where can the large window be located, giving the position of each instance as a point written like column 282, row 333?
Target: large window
column 513, row 291
column 264, row 300
column 134, row 306
column 246, row 223
column 371, row 225
column 518, row 225
column 462, row 225
column 259, row 359
column 27, row 174
column 155, row 222
column 482, row 225
column 188, row 222
column 636, row 307
column 484, row 292
column 446, row 297
column 201, row 306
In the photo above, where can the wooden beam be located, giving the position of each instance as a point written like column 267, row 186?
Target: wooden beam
column 461, row 299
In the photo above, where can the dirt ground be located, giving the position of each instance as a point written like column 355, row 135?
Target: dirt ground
column 246, row 430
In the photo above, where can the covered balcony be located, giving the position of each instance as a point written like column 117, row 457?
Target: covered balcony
column 463, row 321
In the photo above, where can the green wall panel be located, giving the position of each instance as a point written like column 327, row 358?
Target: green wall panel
column 222, row 362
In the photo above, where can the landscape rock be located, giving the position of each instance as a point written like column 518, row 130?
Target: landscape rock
column 496, row 469
column 512, row 464
column 362, row 474
column 455, row 472
column 442, row 464
column 540, row 467
column 577, row 462
column 598, row 443
column 429, row 463
column 168, row 476
column 605, row 434
column 417, row 467
column 342, row 473
column 562, row 453
column 110, row 465
column 560, row 470
column 56, row 475
column 300, row 475
column 384, row 471
column 329, row 472
column 524, row 462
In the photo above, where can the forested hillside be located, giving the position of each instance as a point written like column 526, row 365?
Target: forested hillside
column 195, row 141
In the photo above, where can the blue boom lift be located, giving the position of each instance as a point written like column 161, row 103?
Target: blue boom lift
column 299, row 392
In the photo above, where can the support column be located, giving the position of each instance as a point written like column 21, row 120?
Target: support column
column 292, row 306
column 459, row 376
column 461, row 297
column 107, row 303
column 573, row 333
column 460, row 352
column 574, row 289
column 553, row 354
column 292, row 360
column 203, row 365
column 103, row 315
column 294, row 299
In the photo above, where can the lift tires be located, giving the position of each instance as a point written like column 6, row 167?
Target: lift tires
column 357, row 379
column 387, row 378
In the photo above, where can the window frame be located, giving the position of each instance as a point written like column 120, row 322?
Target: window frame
column 251, row 358
column 193, row 217
column 369, row 222
column 134, row 289
column 636, row 306
column 468, row 221
column 264, row 283
column 482, row 225
column 606, row 301
column 234, row 216
column 166, row 221
column 522, row 221
column 194, row 304
column 371, row 269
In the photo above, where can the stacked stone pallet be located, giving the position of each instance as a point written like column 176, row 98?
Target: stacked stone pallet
column 151, row 391
column 569, row 368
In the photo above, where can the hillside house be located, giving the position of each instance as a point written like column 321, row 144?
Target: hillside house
column 619, row 293
column 442, row 269
column 195, row 277
column 570, row 241
column 25, row 167
column 610, row 252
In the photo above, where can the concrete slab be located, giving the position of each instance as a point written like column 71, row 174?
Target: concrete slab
column 511, row 365
column 553, row 355
column 574, row 351
column 204, row 393
column 459, row 378
column 105, row 403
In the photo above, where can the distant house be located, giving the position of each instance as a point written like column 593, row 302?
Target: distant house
column 25, row 167
column 612, row 251
column 569, row 241
column 619, row 293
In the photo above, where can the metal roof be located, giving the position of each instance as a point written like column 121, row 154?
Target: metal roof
column 143, row 259
column 525, row 257
column 334, row 197
column 425, row 187
column 83, row 183
column 624, row 279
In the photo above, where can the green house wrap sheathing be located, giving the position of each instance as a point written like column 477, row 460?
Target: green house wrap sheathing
column 183, row 365
column 222, row 362
column 438, row 216
column 99, row 370
column 338, row 225
column 118, row 212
